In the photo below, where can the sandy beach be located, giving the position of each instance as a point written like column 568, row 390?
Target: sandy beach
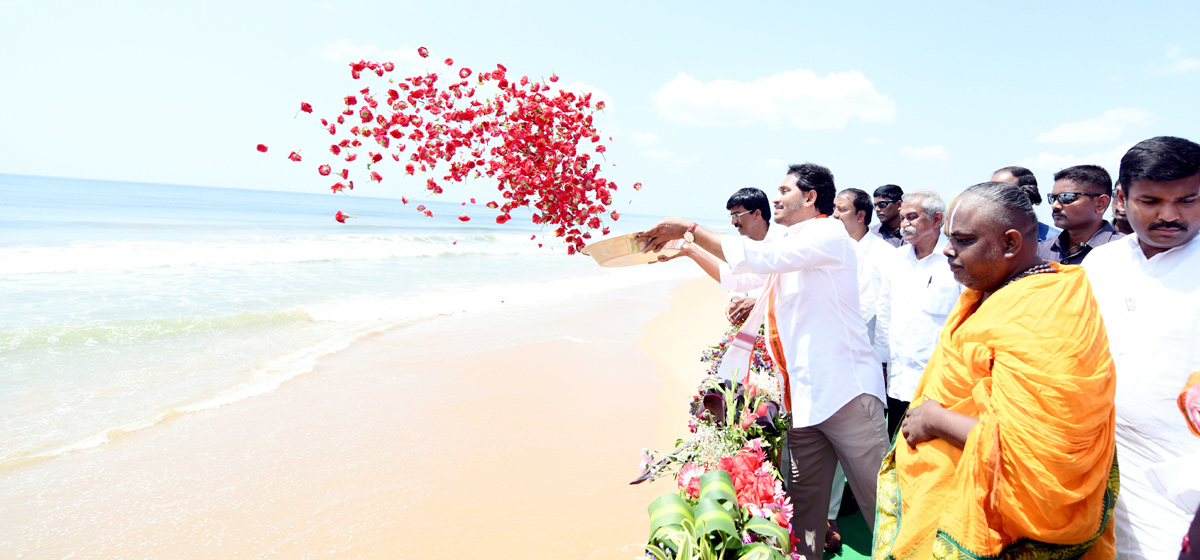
column 506, row 434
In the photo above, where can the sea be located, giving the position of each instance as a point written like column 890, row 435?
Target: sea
column 122, row 304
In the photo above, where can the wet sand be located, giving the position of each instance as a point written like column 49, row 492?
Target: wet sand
column 500, row 435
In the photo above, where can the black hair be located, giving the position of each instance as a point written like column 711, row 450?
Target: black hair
column 1093, row 175
column 751, row 199
column 862, row 203
column 813, row 177
column 890, row 192
column 1012, row 198
column 1025, row 180
column 1160, row 160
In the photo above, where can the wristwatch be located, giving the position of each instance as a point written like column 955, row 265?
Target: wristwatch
column 690, row 234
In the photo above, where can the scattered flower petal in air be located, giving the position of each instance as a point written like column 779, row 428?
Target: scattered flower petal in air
column 464, row 73
column 262, row 147
column 342, row 216
column 637, row 186
column 324, row 170
column 424, row 52
column 375, row 176
column 294, row 156
column 553, row 77
column 449, row 62
column 464, row 218
column 306, row 107
column 404, row 199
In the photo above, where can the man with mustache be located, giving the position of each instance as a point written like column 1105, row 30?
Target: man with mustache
column 1078, row 201
column 1008, row 448
column 748, row 209
column 887, row 209
column 832, row 383
column 916, row 294
column 1148, row 288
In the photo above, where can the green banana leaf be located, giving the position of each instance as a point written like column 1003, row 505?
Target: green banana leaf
column 717, row 485
column 669, row 510
column 759, row 551
column 768, row 528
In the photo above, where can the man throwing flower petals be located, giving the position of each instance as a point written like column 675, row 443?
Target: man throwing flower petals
column 817, row 339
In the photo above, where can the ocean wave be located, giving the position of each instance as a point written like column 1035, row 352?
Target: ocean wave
column 233, row 251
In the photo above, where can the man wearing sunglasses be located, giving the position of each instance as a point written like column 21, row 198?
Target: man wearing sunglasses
column 1078, row 201
column 887, row 209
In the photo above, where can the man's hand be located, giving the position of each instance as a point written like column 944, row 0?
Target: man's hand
column 739, row 309
column 920, row 423
column 662, row 233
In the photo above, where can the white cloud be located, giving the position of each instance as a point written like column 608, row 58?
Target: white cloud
column 1179, row 63
column 926, row 153
column 1046, row 164
column 1105, row 128
column 644, row 139
column 669, row 157
column 773, row 164
column 798, row 97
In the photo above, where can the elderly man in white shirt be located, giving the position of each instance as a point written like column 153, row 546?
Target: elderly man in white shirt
column 1148, row 288
column 916, row 295
column 834, row 386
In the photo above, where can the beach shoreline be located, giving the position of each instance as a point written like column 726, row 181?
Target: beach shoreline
column 455, row 437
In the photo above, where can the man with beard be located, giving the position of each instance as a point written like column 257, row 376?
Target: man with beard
column 816, row 337
column 916, row 294
column 1008, row 448
column 1148, row 288
column 887, row 209
column 1078, row 201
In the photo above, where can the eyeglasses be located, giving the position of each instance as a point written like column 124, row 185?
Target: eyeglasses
column 1067, row 197
column 736, row 215
column 884, row 204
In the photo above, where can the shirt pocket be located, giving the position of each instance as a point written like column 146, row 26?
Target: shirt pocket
column 942, row 300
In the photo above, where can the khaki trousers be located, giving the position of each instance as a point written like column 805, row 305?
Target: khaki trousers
column 856, row 436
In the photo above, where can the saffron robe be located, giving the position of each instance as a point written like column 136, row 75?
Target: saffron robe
column 1037, row 477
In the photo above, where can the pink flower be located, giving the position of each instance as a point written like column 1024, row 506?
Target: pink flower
column 388, row 66
column 376, row 177
column 323, row 170
column 464, row 73
column 351, row 100
column 294, row 156
column 424, row 52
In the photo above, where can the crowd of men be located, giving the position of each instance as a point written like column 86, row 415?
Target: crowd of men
column 984, row 394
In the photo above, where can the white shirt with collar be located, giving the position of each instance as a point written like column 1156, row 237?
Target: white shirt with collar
column 772, row 233
column 1151, row 310
column 872, row 251
column 829, row 359
column 915, row 298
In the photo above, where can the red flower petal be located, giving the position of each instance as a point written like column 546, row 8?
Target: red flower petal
column 449, row 62
column 464, row 218
column 376, row 177
column 464, row 73
column 262, row 147
column 424, row 52
column 323, row 170
column 307, row 108
column 340, row 217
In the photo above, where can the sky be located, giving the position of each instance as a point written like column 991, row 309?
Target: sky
column 702, row 98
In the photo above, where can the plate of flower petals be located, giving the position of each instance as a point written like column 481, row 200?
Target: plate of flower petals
column 626, row 250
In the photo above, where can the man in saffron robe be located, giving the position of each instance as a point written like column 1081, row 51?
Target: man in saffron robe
column 1008, row 448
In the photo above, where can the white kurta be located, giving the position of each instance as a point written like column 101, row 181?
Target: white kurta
column 872, row 251
column 1151, row 309
column 915, row 298
column 829, row 359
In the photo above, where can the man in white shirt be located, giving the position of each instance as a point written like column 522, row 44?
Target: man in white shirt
column 1148, row 288
column 854, row 208
column 916, row 295
column 750, row 214
column 833, row 384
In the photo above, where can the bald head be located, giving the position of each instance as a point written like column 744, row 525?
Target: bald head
column 992, row 233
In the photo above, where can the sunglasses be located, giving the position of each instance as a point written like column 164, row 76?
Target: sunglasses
column 1067, row 197
column 884, row 203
